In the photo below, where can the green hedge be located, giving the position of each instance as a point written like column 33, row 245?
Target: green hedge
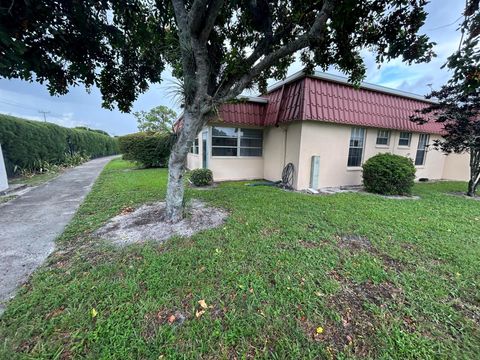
column 149, row 149
column 28, row 144
column 388, row 174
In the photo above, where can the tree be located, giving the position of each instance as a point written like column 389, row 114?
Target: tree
column 216, row 48
column 158, row 119
column 458, row 106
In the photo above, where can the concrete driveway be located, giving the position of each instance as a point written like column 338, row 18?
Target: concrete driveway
column 30, row 223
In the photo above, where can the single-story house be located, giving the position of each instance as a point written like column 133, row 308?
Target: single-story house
column 326, row 128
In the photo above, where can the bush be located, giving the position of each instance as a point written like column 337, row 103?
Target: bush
column 388, row 174
column 147, row 148
column 28, row 145
column 201, row 177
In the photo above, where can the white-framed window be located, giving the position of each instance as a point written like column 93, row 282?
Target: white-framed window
column 404, row 139
column 355, row 152
column 383, row 137
column 194, row 147
column 236, row 141
column 422, row 149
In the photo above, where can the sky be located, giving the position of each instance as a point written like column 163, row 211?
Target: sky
column 79, row 108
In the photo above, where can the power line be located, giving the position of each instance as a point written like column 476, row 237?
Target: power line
column 44, row 114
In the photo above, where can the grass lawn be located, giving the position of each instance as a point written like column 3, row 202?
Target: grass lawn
column 288, row 276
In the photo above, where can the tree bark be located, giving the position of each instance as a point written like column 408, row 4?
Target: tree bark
column 474, row 172
column 191, row 126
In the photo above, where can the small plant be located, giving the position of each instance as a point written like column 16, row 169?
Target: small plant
column 388, row 174
column 201, row 177
column 75, row 159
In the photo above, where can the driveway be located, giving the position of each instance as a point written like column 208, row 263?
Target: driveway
column 30, row 223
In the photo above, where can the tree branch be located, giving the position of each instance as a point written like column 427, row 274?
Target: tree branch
column 316, row 34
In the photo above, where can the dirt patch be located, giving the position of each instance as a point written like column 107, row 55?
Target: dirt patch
column 463, row 195
column 205, row 187
column 355, row 243
column 148, row 223
column 354, row 332
column 469, row 310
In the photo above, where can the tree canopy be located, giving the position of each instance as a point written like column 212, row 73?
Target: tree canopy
column 158, row 119
column 122, row 46
column 458, row 106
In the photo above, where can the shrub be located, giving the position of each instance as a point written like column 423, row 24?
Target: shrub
column 147, row 148
column 388, row 174
column 201, row 177
column 29, row 145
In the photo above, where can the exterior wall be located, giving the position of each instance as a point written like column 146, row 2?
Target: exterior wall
column 194, row 161
column 297, row 142
column 457, row 167
column 232, row 167
column 331, row 143
column 281, row 145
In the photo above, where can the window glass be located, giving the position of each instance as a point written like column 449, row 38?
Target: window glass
column 224, row 131
column 194, row 147
column 421, row 149
column 250, row 152
column 355, row 152
column 383, row 137
column 224, row 151
column 236, row 142
column 224, row 141
column 404, row 139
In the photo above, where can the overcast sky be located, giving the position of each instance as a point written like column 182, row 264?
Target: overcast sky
column 78, row 108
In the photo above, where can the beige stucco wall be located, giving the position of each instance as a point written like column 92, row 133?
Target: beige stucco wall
column 297, row 142
column 331, row 143
column 457, row 167
column 281, row 145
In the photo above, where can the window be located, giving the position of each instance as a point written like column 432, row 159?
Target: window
column 194, row 147
column 357, row 138
column 421, row 149
column 236, row 142
column 404, row 139
column 383, row 137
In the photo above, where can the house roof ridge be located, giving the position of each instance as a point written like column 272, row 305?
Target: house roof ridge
column 344, row 81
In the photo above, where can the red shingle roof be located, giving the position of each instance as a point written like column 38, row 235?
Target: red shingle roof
column 328, row 99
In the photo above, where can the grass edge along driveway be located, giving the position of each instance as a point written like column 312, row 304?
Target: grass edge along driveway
column 288, row 276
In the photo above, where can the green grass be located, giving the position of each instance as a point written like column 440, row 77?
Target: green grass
column 384, row 279
column 35, row 179
column 6, row 198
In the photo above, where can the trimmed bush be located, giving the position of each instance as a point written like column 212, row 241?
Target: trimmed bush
column 147, row 148
column 388, row 174
column 201, row 177
column 29, row 144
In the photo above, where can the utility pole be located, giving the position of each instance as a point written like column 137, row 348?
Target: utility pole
column 44, row 114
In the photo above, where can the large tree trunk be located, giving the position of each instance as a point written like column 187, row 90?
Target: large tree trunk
column 474, row 172
column 191, row 125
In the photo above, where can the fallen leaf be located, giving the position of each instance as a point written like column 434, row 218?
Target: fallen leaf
column 199, row 313
column 93, row 312
column 203, row 304
column 171, row 319
column 250, row 290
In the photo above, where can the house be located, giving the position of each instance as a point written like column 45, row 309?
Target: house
column 326, row 128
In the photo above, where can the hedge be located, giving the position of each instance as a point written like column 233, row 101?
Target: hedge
column 28, row 144
column 389, row 174
column 149, row 149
